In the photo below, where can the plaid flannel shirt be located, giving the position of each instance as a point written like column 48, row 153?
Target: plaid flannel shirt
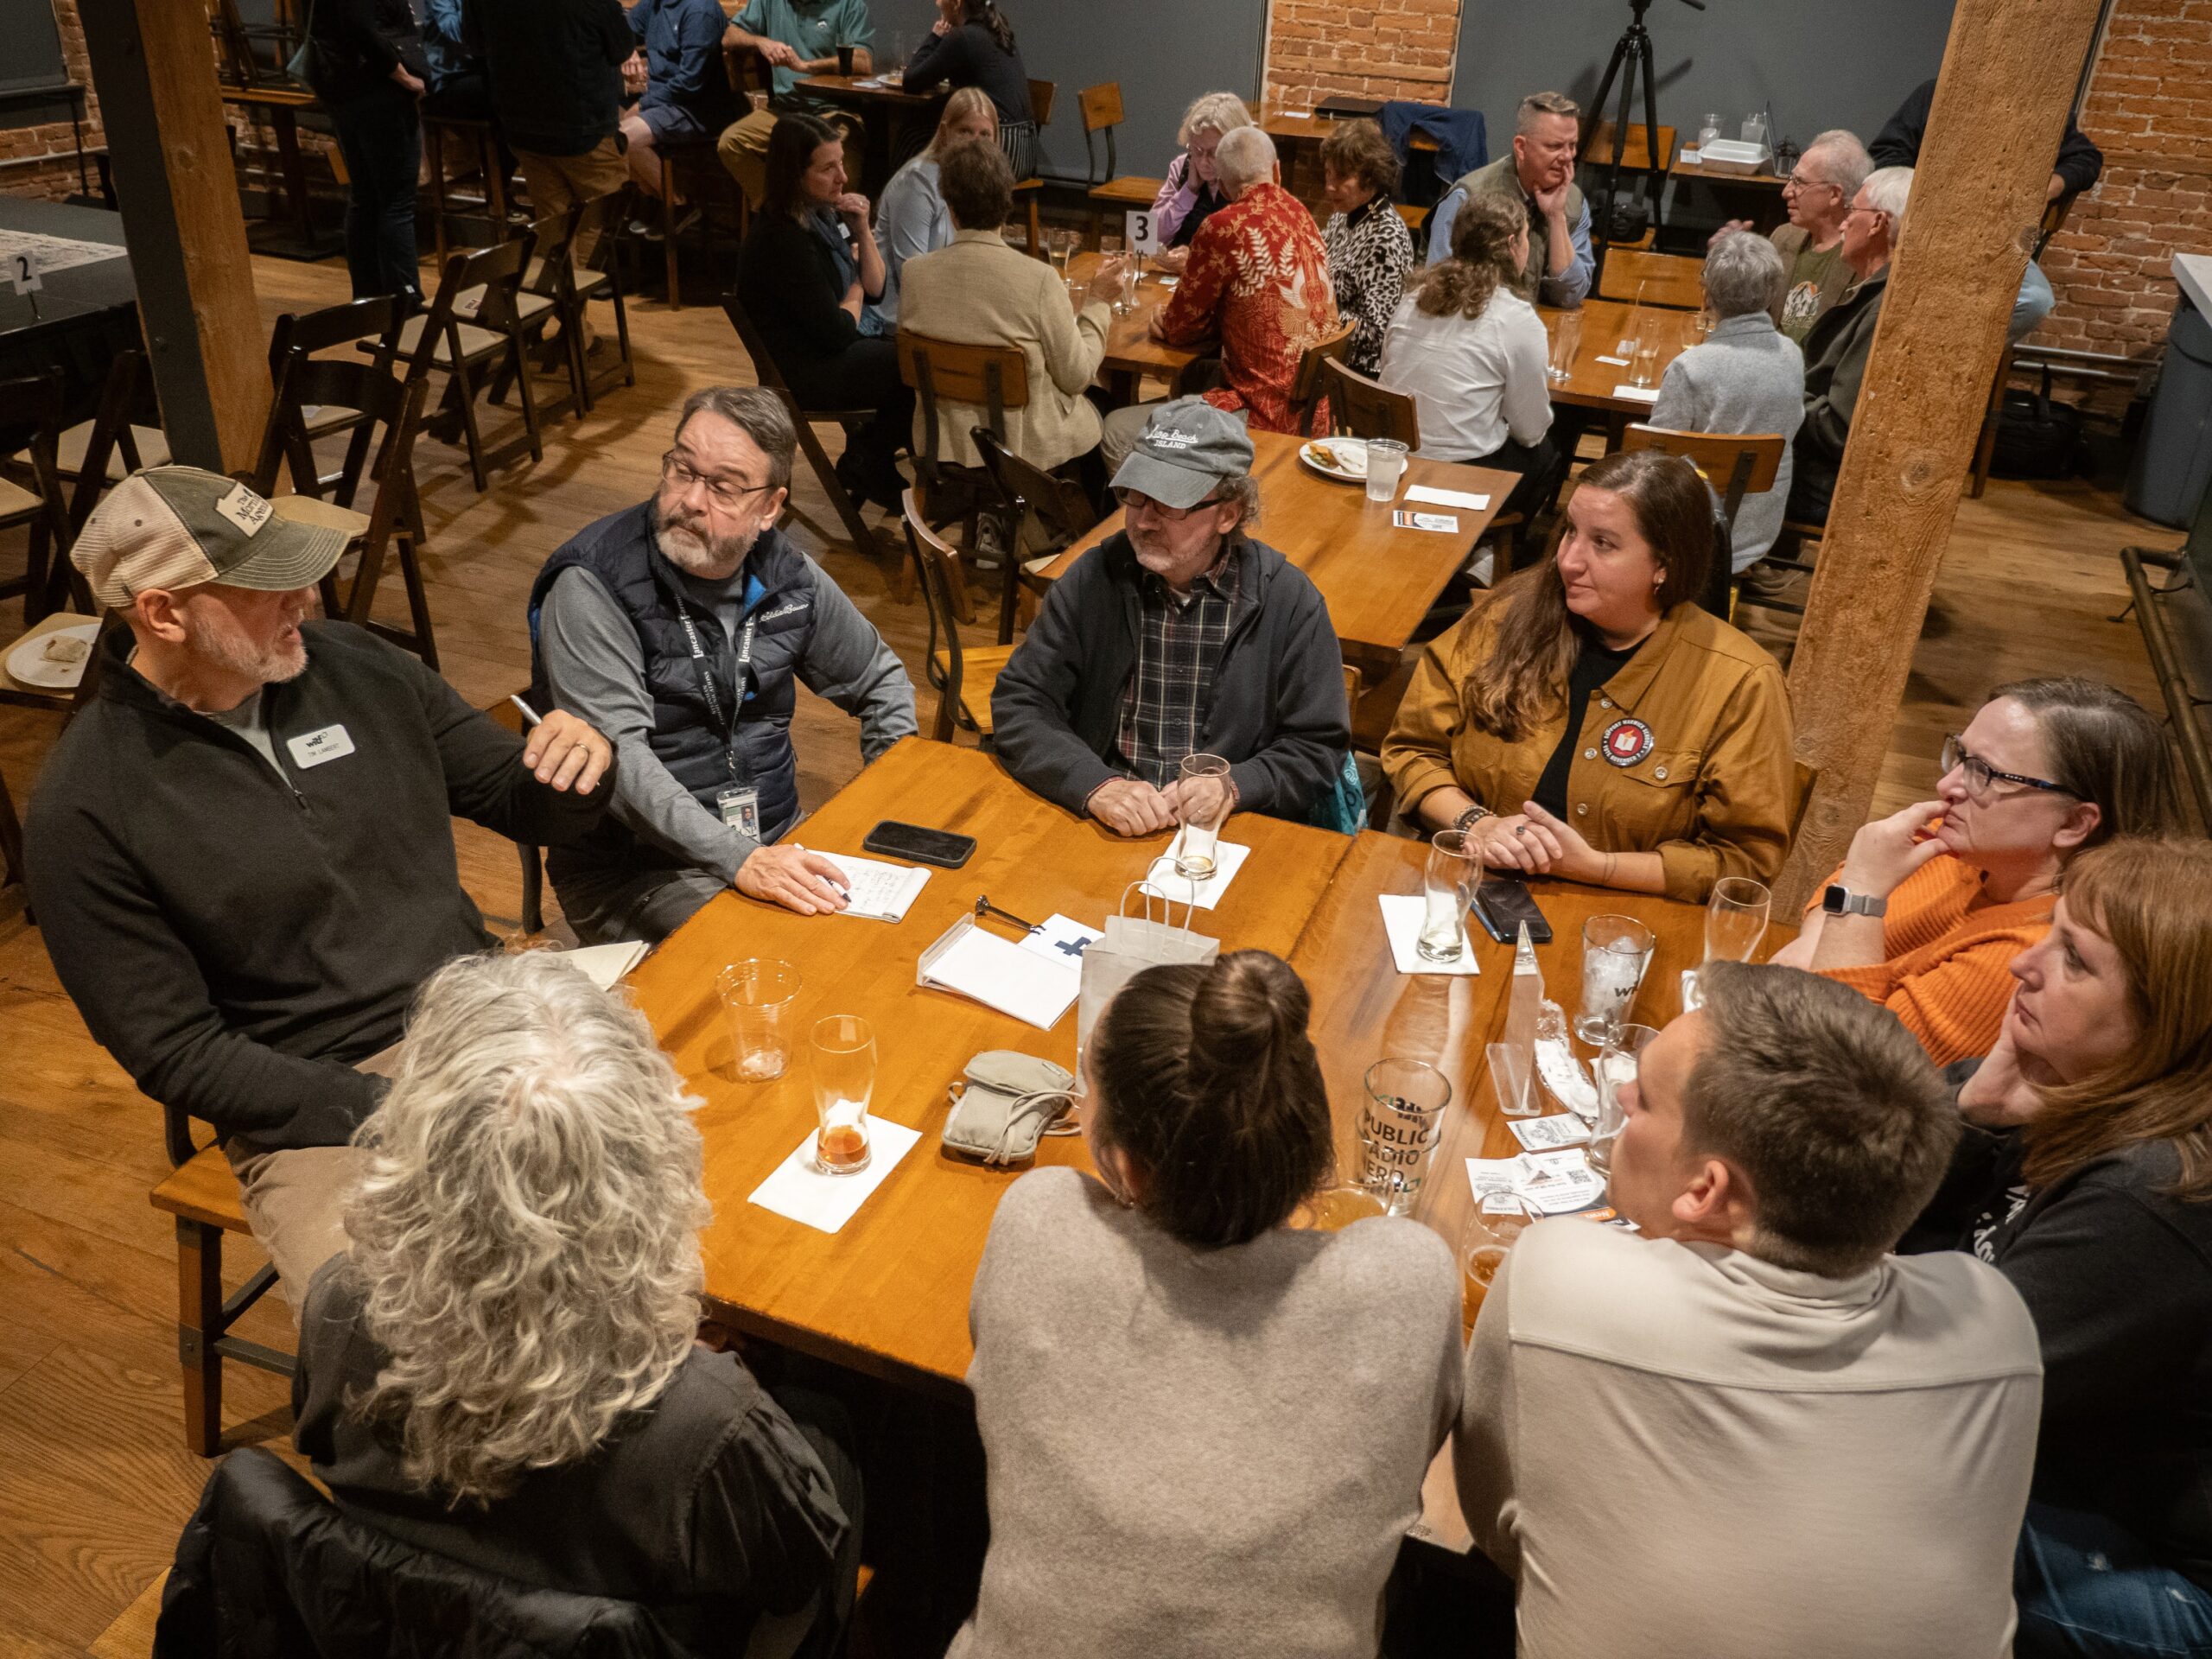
column 1179, row 642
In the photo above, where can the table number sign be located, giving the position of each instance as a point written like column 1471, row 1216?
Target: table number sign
column 22, row 273
column 1143, row 230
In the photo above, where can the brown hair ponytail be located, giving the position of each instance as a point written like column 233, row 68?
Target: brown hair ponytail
column 1206, row 1081
column 1482, row 258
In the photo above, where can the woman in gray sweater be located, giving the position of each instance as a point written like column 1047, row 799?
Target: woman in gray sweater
column 1206, row 1431
column 1749, row 378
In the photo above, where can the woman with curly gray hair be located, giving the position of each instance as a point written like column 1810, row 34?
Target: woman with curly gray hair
column 503, row 1367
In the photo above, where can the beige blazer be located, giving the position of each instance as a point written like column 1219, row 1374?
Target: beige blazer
column 978, row 291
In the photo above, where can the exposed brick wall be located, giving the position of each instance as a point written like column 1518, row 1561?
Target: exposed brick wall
column 1395, row 49
column 2150, row 111
column 42, row 160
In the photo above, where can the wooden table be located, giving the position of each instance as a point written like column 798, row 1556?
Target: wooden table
column 1379, row 581
column 895, row 123
column 1131, row 351
column 1605, row 323
column 888, row 1296
column 303, row 239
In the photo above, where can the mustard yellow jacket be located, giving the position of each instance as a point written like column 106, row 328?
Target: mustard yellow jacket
column 1687, row 752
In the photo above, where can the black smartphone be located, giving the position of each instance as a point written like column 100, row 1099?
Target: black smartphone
column 1503, row 903
column 941, row 847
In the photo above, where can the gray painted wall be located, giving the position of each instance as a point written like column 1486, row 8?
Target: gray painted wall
column 1165, row 52
column 1821, row 64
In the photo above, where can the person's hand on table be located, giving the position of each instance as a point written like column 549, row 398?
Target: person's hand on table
column 1572, row 858
column 1171, row 260
column 1729, row 229
column 1191, row 794
column 1512, row 843
column 2001, row 1093
column 1129, row 806
column 1883, row 853
column 1110, row 280
column 567, row 753
column 794, row 878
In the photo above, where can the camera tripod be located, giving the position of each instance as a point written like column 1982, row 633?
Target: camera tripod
column 1631, row 54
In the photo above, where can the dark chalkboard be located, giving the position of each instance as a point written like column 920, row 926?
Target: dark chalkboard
column 31, row 59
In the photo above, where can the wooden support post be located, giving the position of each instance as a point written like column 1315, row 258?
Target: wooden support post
column 2009, row 72
column 154, row 67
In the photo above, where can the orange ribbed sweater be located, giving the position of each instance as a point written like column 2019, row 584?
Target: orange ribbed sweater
column 1945, row 975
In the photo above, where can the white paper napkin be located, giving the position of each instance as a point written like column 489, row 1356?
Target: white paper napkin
column 1228, row 859
column 804, row 1193
column 1638, row 394
column 1401, row 919
column 604, row 965
column 1435, row 497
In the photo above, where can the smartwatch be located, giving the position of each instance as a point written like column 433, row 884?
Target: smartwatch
column 1842, row 901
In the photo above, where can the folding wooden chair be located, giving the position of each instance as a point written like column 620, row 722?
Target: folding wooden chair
column 964, row 678
column 991, row 378
column 66, row 702
column 766, row 370
column 1361, row 408
column 575, row 290
column 311, row 332
column 383, row 401
column 1039, row 515
column 129, row 445
column 1668, row 279
column 491, row 202
column 37, row 501
column 1306, row 392
column 467, row 348
column 202, row 1194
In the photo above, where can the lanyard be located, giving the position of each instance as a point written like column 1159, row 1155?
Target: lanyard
column 707, row 680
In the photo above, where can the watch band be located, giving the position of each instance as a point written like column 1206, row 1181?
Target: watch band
column 1839, row 900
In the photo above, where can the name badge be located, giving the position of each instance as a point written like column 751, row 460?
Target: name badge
column 313, row 748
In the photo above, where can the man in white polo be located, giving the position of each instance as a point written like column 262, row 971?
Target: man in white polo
column 241, row 853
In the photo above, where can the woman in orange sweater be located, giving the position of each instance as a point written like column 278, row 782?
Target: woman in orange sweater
column 1932, row 902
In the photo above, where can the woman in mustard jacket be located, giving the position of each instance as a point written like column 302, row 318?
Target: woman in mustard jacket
column 1588, row 720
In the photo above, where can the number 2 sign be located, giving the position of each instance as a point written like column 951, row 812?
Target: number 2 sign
column 22, row 273
column 1143, row 232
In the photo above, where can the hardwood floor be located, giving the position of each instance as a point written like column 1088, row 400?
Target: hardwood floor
column 94, row 1481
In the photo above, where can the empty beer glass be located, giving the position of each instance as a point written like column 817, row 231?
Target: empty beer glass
column 1448, row 888
column 757, row 995
column 1202, row 806
column 844, row 1079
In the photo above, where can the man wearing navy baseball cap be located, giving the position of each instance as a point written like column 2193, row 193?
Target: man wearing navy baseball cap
column 241, row 850
column 1179, row 635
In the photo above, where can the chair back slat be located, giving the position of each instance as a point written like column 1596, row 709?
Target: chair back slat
column 1364, row 409
column 961, row 374
column 334, row 325
column 1636, row 155
column 1040, row 101
column 1101, row 105
column 1669, row 280
column 936, row 567
column 1305, row 388
column 1716, row 455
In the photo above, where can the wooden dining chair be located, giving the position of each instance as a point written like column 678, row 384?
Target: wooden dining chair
column 391, row 524
column 963, row 677
column 130, row 445
column 491, row 339
column 311, row 332
column 1669, row 280
column 1307, row 394
column 32, row 497
column 490, row 201
column 994, row 379
column 1031, row 191
column 539, row 291
column 575, row 289
column 98, row 447
column 764, row 370
column 1101, row 113
column 1361, row 408
column 1038, row 515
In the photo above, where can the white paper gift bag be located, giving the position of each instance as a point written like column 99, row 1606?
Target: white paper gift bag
column 1131, row 944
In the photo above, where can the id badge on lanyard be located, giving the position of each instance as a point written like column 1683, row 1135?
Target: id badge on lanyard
column 740, row 811
column 738, row 804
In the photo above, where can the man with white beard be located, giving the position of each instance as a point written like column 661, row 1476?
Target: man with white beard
column 682, row 628
column 241, row 850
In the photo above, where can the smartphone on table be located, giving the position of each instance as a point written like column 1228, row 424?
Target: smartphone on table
column 1503, row 903
column 911, row 841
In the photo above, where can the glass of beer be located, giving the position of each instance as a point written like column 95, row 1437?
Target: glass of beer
column 757, row 995
column 844, row 1078
column 1202, row 805
column 1495, row 1223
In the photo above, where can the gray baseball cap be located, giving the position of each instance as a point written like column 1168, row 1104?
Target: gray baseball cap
column 178, row 526
column 1187, row 448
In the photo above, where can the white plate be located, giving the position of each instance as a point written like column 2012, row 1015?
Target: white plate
column 28, row 665
column 1341, row 459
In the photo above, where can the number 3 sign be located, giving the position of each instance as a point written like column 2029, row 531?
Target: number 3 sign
column 1144, row 233
column 22, row 274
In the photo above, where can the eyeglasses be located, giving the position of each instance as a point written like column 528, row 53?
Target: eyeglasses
column 1979, row 774
column 1135, row 501
column 723, row 492
column 1800, row 181
column 1856, row 208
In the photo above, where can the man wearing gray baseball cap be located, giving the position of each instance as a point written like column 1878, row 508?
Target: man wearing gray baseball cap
column 1179, row 635
column 241, row 850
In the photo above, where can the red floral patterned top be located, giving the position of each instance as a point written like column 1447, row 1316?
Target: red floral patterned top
column 1258, row 276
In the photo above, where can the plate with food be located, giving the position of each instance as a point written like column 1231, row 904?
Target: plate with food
column 1341, row 459
column 53, row 661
